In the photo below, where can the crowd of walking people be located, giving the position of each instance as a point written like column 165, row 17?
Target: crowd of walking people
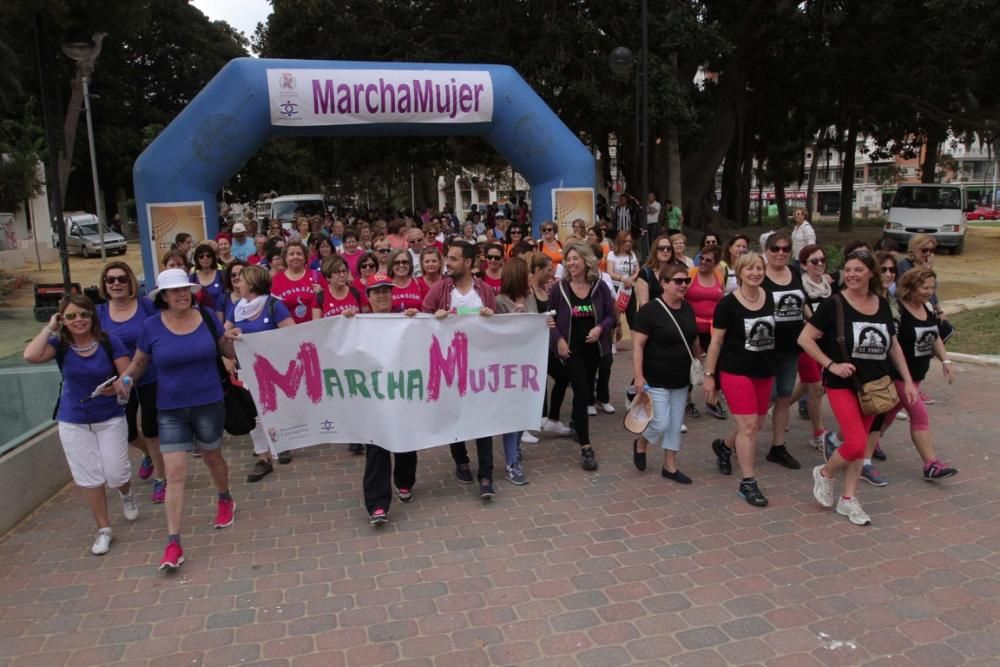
column 755, row 332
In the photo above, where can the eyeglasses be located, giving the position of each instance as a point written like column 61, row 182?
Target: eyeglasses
column 401, row 262
column 784, row 249
column 681, row 281
column 111, row 280
column 664, row 248
column 366, row 265
column 494, row 258
column 337, row 272
column 888, row 269
column 83, row 315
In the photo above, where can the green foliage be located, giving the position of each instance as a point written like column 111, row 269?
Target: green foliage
column 21, row 147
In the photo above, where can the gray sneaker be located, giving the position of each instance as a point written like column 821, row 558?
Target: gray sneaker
column 852, row 510
column 515, row 475
column 822, row 488
column 870, row 475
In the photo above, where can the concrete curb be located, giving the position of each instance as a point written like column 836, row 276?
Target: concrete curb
column 956, row 306
column 974, row 359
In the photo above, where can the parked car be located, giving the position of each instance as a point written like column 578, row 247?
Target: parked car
column 983, row 213
column 83, row 236
column 287, row 207
column 929, row 208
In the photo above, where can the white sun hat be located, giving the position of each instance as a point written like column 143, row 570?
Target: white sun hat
column 173, row 279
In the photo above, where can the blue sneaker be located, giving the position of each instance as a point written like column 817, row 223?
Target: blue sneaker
column 831, row 441
column 870, row 475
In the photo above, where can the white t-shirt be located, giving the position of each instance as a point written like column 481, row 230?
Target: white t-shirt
column 623, row 265
column 802, row 235
column 466, row 304
column 652, row 213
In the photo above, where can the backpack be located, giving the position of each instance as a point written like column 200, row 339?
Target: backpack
column 61, row 351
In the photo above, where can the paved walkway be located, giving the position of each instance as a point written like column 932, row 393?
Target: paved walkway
column 606, row 568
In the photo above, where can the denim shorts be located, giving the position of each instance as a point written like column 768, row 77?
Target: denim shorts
column 181, row 427
column 786, row 371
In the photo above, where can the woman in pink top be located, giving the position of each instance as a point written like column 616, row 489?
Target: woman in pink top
column 707, row 289
column 406, row 293
column 351, row 251
column 297, row 286
column 494, row 264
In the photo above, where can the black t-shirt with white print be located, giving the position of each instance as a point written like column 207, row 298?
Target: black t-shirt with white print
column 748, row 346
column 916, row 338
column 867, row 337
column 788, row 303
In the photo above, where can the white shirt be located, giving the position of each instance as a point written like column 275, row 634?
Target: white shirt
column 623, row 265
column 652, row 212
column 415, row 260
column 802, row 235
column 465, row 302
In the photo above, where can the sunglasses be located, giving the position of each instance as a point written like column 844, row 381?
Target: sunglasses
column 494, row 258
column 681, row 281
column 401, row 262
column 366, row 265
column 203, row 255
column 665, row 248
column 784, row 249
column 817, row 261
column 515, row 232
column 548, row 229
column 83, row 315
column 383, row 251
column 337, row 272
column 888, row 269
column 111, row 280
column 927, row 251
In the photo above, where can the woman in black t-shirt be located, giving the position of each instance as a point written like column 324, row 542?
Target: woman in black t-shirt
column 542, row 270
column 648, row 285
column 664, row 335
column 920, row 340
column 870, row 339
column 741, row 362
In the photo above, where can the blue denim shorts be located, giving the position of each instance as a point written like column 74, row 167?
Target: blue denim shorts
column 785, row 373
column 180, row 428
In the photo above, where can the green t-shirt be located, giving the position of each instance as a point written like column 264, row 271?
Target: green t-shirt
column 674, row 218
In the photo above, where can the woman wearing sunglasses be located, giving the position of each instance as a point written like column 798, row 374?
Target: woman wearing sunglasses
column 818, row 286
column 783, row 285
column 648, row 285
column 92, row 428
column 122, row 315
column 406, row 293
column 367, row 267
column 664, row 338
column 550, row 245
column 209, row 277
column 515, row 234
column 494, row 263
column 707, row 289
column 381, row 251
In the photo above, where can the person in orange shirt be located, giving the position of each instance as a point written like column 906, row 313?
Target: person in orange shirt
column 550, row 245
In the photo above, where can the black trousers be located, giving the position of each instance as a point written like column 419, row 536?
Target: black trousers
column 380, row 475
column 552, row 404
column 602, row 389
column 484, row 452
column 582, row 367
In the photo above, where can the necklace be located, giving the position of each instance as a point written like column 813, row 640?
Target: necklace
column 85, row 349
column 753, row 300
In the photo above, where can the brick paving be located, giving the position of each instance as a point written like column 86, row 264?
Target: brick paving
column 608, row 568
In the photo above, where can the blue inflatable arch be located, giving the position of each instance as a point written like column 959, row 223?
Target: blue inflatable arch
column 251, row 100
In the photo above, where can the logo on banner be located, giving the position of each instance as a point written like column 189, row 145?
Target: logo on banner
column 272, row 433
column 871, row 340
column 287, row 81
column 289, row 108
column 327, row 426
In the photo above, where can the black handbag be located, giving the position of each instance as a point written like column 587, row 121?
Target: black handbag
column 241, row 411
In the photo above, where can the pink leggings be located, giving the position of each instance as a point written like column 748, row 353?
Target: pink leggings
column 919, row 419
column 854, row 424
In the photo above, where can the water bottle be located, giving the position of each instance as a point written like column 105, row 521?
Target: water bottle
column 127, row 383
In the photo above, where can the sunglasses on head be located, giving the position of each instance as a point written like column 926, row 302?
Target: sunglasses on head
column 83, row 315
column 111, row 280
column 780, row 248
column 681, row 281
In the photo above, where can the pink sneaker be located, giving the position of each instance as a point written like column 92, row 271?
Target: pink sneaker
column 159, row 490
column 226, row 514
column 145, row 467
column 173, row 556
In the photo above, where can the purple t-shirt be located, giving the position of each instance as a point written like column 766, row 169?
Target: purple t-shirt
column 186, row 366
column 130, row 330
column 214, row 293
column 81, row 375
column 263, row 321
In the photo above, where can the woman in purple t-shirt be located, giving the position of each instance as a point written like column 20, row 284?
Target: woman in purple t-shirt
column 92, row 426
column 182, row 344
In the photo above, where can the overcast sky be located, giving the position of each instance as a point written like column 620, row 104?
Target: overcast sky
column 241, row 14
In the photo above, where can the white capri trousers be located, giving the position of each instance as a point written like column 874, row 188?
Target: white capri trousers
column 261, row 443
column 97, row 453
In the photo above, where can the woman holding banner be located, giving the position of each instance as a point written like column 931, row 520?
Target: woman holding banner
column 258, row 311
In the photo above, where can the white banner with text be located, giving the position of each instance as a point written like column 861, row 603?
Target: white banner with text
column 399, row 382
column 356, row 96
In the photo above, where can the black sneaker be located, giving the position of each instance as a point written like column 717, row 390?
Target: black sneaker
column 751, row 493
column 378, row 517
column 724, row 456
column 677, row 476
column 356, row 448
column 405, row 495
column 717, row 409
column 463, row 473
column 486, row 489
column 638, row 458
column 803, row 410
column 261, row 469
column 692, row 411
column 779, row 454
column 587, row 459
column 284, row 458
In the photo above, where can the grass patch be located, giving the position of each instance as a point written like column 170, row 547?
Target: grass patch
column 977, row 331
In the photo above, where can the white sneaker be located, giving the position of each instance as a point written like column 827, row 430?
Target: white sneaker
column 684, row 428
column 902, row 414
column 553, row 426
column 607, row 408
column 614, row 349
column 822, row 488
column 816, row 442
column 102, row 544
column 852, row 510
column 592, row 410
column 528, row 438
column 130, row 506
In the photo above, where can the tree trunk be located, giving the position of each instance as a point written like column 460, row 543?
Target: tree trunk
column 928, row 167
column 779, row 197
column 847, row 176
column 811, row 189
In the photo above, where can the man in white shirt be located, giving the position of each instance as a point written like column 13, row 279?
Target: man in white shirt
column 652, row 216
column 415, row 241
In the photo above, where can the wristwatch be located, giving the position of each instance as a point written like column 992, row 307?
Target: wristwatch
column 709, row 374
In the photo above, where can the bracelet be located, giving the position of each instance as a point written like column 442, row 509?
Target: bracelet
column 946, row 361
column 827, row 367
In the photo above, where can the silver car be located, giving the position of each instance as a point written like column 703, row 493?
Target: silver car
column 83, row 236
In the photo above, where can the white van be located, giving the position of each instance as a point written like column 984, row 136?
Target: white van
column 929, row 208
column 289, row 207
